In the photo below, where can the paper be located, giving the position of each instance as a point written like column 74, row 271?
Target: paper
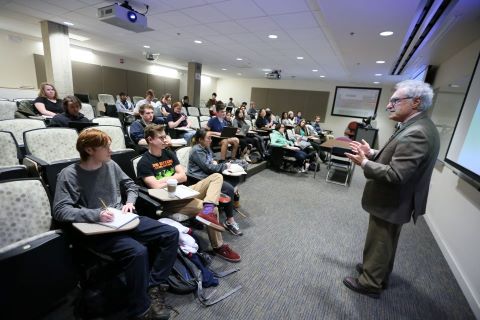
column 120, row 218
column 179, row 141
column 234, row 170
column 184, row 192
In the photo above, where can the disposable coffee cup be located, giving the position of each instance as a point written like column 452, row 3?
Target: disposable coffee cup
column 171, row 187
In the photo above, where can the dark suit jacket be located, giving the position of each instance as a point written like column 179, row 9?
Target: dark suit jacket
column 398, row 178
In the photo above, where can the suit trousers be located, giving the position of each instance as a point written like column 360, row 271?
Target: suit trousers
column 379, row 252
column 209, row 189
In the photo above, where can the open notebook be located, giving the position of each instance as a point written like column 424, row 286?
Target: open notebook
column 234, row 170
column 120, row 218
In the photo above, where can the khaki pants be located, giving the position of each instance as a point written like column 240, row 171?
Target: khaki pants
column 209, row 189
column 379, row 252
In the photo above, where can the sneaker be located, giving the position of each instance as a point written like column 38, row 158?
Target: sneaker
column 225, row 252
column 207, row 217
column 247, row 158
column 158, row 308
column 233, row 228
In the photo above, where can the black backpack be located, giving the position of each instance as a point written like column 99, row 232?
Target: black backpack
column 186, row 278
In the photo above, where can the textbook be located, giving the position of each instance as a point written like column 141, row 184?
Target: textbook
column 120, row 218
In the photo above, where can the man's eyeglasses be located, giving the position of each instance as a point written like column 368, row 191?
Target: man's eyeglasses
column 394, row 101
column 162, row 137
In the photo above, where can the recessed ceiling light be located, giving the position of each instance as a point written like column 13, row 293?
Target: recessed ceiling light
column 239, row 59
column 198, row 41
column 322, row 76
column 272, row 36
column 239, row 74
column 386, row 33
column 68, row 23
column 376, row 82
column 266, row 69
column 77, row 37
column 379, row 61
column 452, row 85
column 223, row 69
column 299, row 58
column 378, row 74
column 314, row 70
column 146, row 47
column 266, row 72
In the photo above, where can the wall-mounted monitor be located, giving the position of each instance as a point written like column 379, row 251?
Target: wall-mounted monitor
column 464, row 150
column 355, row 102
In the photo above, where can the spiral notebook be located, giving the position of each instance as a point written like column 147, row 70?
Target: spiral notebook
column 120, row 218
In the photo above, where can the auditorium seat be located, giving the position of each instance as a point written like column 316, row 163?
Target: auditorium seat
column 18, row 126
column 10, row 167
column 36, row 264
column 87, row 111
column 107, row 121
column 339, row 166
column 193, row 111
column 204, row 111
column 50, row 150
column 204, row 118
column 7, row 110
column 195, row 122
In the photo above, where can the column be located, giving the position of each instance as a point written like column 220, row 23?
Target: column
column 56, row 48
column 194, row 82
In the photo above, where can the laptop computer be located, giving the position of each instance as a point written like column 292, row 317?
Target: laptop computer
column 228, row 132
column 244, row 130
column 79, row 126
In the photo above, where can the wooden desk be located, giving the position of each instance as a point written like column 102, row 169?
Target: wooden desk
column 94, row 228
column 329, row 144
column 162, row 194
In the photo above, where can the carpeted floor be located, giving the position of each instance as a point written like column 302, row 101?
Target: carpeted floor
column 301, row 237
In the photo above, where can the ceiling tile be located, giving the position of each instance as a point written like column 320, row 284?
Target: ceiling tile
column 296, row 20
column 205, row 14
column 228, row 27
column 239, row 9
column 274, row 7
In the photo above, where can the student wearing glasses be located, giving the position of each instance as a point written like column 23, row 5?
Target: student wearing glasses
column 398, row 178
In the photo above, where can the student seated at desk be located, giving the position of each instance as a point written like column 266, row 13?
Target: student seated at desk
column 123, row 103
column 262, row 122
column 80, row 191
column 158, row 165
column 138, row 126
column 177, row 119
column 48, row 103
column 71, row 106
column 253, row 139
column 215, row 125
column 305, row 132
column 201, row 164
column 277, row 139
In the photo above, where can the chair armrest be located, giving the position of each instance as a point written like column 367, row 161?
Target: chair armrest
column 37, row 161
column 147, row 206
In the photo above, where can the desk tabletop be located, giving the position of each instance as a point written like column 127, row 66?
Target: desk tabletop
column 335, row 143
column 162, row 194
column 95, row 228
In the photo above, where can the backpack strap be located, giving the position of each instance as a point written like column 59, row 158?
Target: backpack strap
column 226, row 295
column 223, row 274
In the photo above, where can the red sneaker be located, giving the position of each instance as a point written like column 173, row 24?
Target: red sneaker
column 225, row 252
column 207, row 217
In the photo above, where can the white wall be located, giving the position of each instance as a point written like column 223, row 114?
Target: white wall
column 240, row 90
column 453, row 209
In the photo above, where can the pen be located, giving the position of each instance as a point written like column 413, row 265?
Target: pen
column 104, row 206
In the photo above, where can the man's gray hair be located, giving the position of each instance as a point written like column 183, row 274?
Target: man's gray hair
column 417, row 89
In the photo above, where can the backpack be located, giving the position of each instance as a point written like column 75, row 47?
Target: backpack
column 186, row 277
column 25, row 109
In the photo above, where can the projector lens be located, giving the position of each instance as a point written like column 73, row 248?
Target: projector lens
column 132, row 16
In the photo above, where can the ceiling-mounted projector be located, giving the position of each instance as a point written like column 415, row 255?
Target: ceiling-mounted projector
column 125, row 18
column 274, row 75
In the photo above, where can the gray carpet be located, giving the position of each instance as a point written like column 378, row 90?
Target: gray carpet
column 301, row 237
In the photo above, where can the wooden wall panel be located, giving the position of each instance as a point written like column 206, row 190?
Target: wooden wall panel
column 156, row 83
column 136, row 83
column 172, row 86
column 114, row 80
column 310, row 103
column 87, row 79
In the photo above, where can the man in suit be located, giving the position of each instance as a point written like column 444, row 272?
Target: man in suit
column 398, row 178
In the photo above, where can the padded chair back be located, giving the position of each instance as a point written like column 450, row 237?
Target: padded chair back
column 9, row 150
column 204, row 111
column 36, row 264
column 51, row 144
column 106, row 98
column 107, row 121
column 25, row 210
column 117, row 136
column 87, row 111
column 203, row 124
column 338, row 162
column 249, row 122
column 135, row 99
column 195, row 123
column 184, row 110
column 18, row 126
column 204, row 118
column 193, row 111
column 183, row 155
column 135, row 163
column 7, row 110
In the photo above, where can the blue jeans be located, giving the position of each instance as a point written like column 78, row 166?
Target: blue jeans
column 188, row 136
column 130, row 249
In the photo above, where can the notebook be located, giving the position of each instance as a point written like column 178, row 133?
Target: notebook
column 228, row 132
column 120, row 218
column 234, row 170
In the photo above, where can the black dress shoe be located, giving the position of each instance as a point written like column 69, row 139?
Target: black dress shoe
column 352, row 284
column 359, row 268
